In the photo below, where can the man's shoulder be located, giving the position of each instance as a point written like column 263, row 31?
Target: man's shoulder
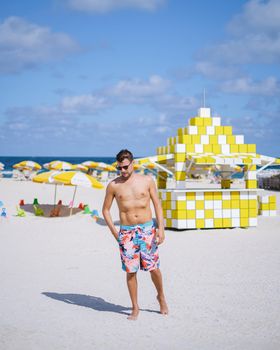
column 115, row 181
column 143, row 178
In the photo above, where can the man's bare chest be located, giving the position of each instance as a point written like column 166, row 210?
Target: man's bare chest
column 125, row 193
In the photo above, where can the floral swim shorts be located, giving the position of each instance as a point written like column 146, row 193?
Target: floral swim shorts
column 138, row 247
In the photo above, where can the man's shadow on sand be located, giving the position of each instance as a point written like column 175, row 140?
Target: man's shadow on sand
column 92, row 302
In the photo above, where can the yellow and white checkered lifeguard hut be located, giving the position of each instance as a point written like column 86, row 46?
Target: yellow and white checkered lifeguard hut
column 201, row 147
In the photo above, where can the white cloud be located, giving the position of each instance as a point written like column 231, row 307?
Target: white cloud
column 268, row 87
column 103, row 6
column 24, row 45
column 83, row 104
column 134, row 90
column 255, row 36
column 257, row 16
column 69, row 105
column 153, row 92
column 212, row 70
column 251, row 48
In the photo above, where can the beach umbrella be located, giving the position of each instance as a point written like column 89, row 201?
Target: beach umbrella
column 48, row 165
column 47, row 177
column 151, row 166
column 80, row 167
column 136, row 166
column 29, row 164
column 99, row 166
column 90, row 164
column 60, row 165
column 76, row 178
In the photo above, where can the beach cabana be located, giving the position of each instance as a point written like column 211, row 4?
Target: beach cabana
column 204, row 144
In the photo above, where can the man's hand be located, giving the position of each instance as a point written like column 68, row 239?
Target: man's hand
column 160, row 236
column 116, row 235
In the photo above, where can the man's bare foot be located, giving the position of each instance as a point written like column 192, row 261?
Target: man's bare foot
column 134, row 314
column 163, row 305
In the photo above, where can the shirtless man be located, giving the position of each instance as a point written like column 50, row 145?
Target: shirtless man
column 138, row 237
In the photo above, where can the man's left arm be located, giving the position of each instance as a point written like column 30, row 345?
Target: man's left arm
column 158, row 210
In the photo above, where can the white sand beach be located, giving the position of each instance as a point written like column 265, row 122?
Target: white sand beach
column 62, row 286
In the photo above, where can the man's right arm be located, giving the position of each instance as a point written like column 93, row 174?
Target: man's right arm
column 109, row 197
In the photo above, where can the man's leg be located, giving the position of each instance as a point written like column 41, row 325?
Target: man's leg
column 157, row 279
column 132, row 288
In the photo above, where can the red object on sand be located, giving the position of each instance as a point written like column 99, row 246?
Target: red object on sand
column 21, row 202
column 81, row 206
column 59, row 202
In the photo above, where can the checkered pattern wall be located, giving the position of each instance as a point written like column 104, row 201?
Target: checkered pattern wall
column 206, row 136
column 267, row 205
column 209, row 209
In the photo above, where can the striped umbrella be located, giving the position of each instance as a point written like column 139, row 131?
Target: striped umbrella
column 48, row 165
column 99, row 166
column 76, row 178
column 30, row 164
column 80, row 167
column 60, row 165
column 47, row 177
column 90, row 164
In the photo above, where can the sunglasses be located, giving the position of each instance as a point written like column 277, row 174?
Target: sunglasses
column 124, row 167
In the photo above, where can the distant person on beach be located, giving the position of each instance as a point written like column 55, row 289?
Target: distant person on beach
column 138, row 237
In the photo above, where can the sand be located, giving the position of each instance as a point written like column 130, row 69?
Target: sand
column 62, row 286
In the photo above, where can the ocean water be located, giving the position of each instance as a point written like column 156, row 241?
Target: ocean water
column 9, row 161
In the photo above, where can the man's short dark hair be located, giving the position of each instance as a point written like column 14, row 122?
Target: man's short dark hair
column 124, row 154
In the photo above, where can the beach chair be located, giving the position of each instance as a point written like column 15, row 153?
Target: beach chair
column 20, row 212
column 38, row 211
column 86, row 210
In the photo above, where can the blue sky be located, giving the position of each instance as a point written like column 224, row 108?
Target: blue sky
column 89, row 77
